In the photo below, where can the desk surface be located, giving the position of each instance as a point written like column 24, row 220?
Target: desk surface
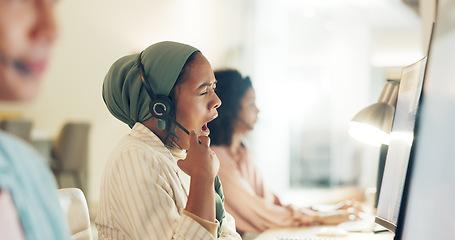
column 310, row 233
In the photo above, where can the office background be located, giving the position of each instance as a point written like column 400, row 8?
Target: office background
column 314, row 64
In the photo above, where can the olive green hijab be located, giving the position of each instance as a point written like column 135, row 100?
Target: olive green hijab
column 123, row 93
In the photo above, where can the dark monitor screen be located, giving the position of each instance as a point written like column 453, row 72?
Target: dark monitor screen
column 401, row 139
column 428, row 210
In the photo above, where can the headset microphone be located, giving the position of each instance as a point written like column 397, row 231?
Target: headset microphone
column 244, row 122
column 17, row 65
column 161, row 106
column 158, row 110
column 21, row 68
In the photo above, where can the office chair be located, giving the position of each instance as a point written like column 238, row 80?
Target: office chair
column 70, row 153
column 18, row 127
column 75, row 211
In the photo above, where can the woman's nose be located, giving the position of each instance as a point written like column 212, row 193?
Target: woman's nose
column 46, row 26
column 216, row 102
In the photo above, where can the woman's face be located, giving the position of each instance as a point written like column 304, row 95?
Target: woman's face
column 196, row 101
column 27, row 33
column 248, row 113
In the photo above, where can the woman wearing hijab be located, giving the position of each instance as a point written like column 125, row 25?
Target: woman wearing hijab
column 160, row 182
column 29, row 205
column 254, row 207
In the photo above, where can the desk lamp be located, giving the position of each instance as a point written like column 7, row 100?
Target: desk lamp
column 373, row 124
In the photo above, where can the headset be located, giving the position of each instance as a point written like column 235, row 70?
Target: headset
column 15, row 64
column 240, row 120
column 161, row 106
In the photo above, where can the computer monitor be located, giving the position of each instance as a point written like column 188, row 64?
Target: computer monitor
column 428, row 210
column 401, row 139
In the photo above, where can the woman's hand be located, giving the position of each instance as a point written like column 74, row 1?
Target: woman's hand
column 350, row 205
column 201, row 162
column 202, row 165
column 309, row 217
column 335, row 217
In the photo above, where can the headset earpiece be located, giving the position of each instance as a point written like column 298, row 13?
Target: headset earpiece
column 161, row 107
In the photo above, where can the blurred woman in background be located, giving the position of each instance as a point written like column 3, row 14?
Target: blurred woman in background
column 254, row 207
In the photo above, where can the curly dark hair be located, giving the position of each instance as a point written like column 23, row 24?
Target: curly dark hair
column 231, row 87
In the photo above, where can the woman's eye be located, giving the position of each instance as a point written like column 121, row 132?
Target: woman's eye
column 205, row 91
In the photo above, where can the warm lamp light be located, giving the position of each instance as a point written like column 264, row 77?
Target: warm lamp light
column 373, row 124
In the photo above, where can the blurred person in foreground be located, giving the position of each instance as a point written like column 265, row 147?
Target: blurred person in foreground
column 29, row 205
column 254, row 207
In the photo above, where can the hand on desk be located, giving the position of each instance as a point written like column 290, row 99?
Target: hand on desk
column 335, row 217
column 348, row 211
column 349, row 205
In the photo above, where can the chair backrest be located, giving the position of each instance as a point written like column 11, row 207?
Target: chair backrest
column 71, row 147
column 18, row 127
column 75, row 211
